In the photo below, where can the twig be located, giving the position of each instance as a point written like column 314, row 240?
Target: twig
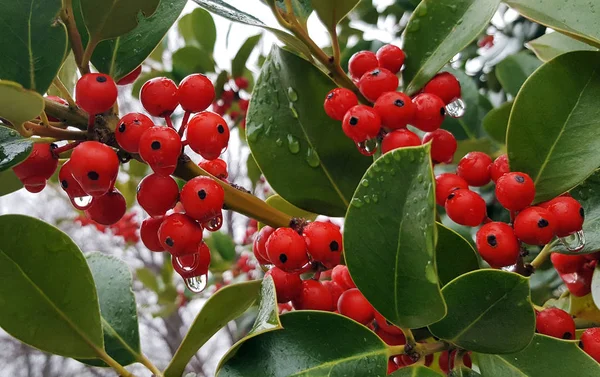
column 64, row 92
column 68, row 18
column 57, row 133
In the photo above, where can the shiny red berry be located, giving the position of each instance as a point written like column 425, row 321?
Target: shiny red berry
column 287, row 285
column 499, row 167
column 196, row 92
column 335, row 289
column 95, row 166
column 386, row 325
column 68, row 183
column 391, row 57
column 107, row 209
column 341, row 276
column 362, row 62
column 579, row 283
column 430, row 112
column 475, row 168
column 515, row 191
column 338, row 102
column 38, row 167
column 286, row 249
column 465, row 207
column 130, row 130
column 569, row 215
column 396, row 109
column 179, row 234
column 443, row 146
column 354, row 305
column 96, row 93
column 361, row 123
column 376, row 82
column 392, row 366
column 446, row 183
column 313, row 296
column 194, row 264
column 208, row 135
column 259, row 246
column 556, row 323
column 157, row 194
column 535, row 226
column 399, row 139
column 446, row 361
column 216, row 167
column 159, row 97
column 567, row 264
column 202, row 198
column 390, row 339
column 131, row 77
column 324, row 243
column 445, row 86
column 160, row 148
column 149, row 233
column 590, row 342
column 497, row 244
column 241, row 82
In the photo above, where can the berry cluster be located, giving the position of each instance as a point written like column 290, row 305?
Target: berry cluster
column 393, row 111
column 231, row 102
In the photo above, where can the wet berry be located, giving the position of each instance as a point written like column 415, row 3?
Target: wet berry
column 361, row 123
column 286, row 249
column 590, row 342
column 160, row 148
column 195, row 93
column 194, row 264
column 179, row 234
column 159, row 97
column 499, row 167
column 68, row 183
column 202, row 198
column 446, row 183
column 149, row 233
column 259, row 245
column 335, row 290
column 130, row 130
column 556, row 323
column 567, row 264
column 216, row 167
column 96, row 93
column 313, row 296
column 445, row 86
column 515, row 191
column 38, row 167
column 396, row 109
column 497, row 244
column 157, row 194
column 535, row 226
column 324, row 243
column 430, row 112
column 569, row 215
column 362, row 62
column 95, row 166
column 399, row 139
column 107, row 209
column 338, row 102
column 475, row 168
column 443, row 146
column 354, row 305
column 465, row 207
column 391, row 58
column 287, row 285
column 208, row 135
column 376, row 82
column 387, row 326
column 341, row 276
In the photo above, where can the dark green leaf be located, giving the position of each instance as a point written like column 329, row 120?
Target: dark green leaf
column 415, row 371
column 13, row 148
column 333, row 11
column 238, row 64
column 190, row 59
column 9, row 182
column 454, row 255
column 148, row 278
column 469, row 125
column 555, row 114
column 464, row 372
column 302, row 152
column 576, row 18
column 438, row 30
column 47, row 290
column 495, row 122
column 544, row 357
column 117, row 307
column 485, row 145
column 390, row 233
column 284, row 206
column 549, row 46
column 199, row 28
column 33, row 43
column 489, row 311
column 301, row 8
column 311, row 344
column 221, row 244
column 515, row 69
column 107, row 19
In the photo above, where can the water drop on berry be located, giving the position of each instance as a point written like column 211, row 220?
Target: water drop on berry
column 456, row 108
column 574, row 242
column 367, row 148
column 82, row 202
column 214, row 224
column 196, row 284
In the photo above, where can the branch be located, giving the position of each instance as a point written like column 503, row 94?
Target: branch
column 57, row 133
column 68, row 18
column 72, row 116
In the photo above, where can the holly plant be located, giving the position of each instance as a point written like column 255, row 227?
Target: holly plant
column 456, row 182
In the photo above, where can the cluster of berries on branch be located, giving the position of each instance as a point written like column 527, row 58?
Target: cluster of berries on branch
column 232, row 102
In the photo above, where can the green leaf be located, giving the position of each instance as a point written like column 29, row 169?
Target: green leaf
column 390, row 233
column 67, row 75
column 489, row 311
column 555, row 113
column 302, row 152
column 46, row 288
column 576, row 18
column 33, row 43
column 464, row 372
column 13, row 148
column 485, row 145
column 227, row 304
column 117, row 307
column 222, row 244
column 415, row 371
column 254, row 172
column 549, row 46
column 18, row 105
column 469, row 125
column 544, row 357
column 9, row 182
column 515, row 69
column 190, row 59
column 148, row 278
column 333, row 11
column 438, row 30
column 284, row 206
column 199, row 28
column 238, row 64
column 495, row 122
column 454, row 255
column 350, row 350
column 107, row 19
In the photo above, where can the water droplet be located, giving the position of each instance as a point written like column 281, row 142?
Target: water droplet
column 279, row 142
column 453, row 8
column 420, row 178
column 293, row 110
column 367, row 148
column 292, row 94
column 456, row 108
column 365, row 182
column 196, row 284
column 574, row 242
column 422, row 9
column 312, row 158
column 430, row 273
column 396, row 156
column 414, row 25
column 82, row 202
column 270, row 119
column 375, row 198
column 376, row 168
column 293, row 144
column 253, row 131
column 356, row 202
column 277, row 66
column 381, row 178
column 214, row 224
column 367, row 199
column 411, row 156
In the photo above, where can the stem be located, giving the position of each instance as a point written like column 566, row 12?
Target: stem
column 169, row 122
column 148, row 364
column 64, row 91
column 65, row 148
column 43, row 140
column 44, row 118
column 73, row 116
column 91, row 123
column 113, row 363
column 410, row 338
column 458, row 359
column 335, row 45
column 57, row 133
column 429, row 348
column 184, row 122
column 543, row 255
column 87, row 54
column 395, row 351
column 74, row 36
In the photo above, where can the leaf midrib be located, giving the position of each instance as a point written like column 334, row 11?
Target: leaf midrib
column 30, row 49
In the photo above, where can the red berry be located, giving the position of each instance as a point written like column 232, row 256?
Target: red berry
column 567, row 264
column 157, row 194
column 445, row 86
column 555, row 322
column 179, row 234
column 569, row 215
column 96, row 93
column 446, row 361
column 95, row 166
column 338, row 102
column 107, row 209
column 354, row 305
column 216, row 167
column 396, row 109
column 430, row 112
column 446, row 183
column 361, row 123
column 515, row 191
column 208, row 135
column 159, row 97
column 149, row 233
column 57, row 100
column 405, row 360
column 287, row 285
column 392, row 366
column 579, row 283
column 475, row 168
column 241, row 82
column 196, row 92
column 313, row 296
column 259, row 246
column 335, row 289
column 499, row 167
column 130, row 130
column 389, row 338
column 287, row 250
column 341, row 276
column 497, row 244
column 160, row 148
column 443, row 146
column 131, row 77
column 324, row 243
column 399, row 139
column 387, row 326
column 362, row 62
column 391, row 57
column 535, row 226
column 228, row 96
column 465, row 207
column 68, row 183
column 38, row 167
column 202, row 198
column 194, row 264
column 590, row 341
column 376, row 82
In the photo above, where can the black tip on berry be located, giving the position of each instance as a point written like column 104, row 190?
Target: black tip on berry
column 443, row 111
column 542, row 223
column 93, row 175
column 582, row 213
column 169, row 241
column 451, row 196
column 492, row 241
column 334, row 246
column 375, row 72
column 282, row 258
column 330, row 96
column 567, row 336
column 399, row 103
column 101, row 79
column 220, row 128
column 202, row 194
column 519, row 178
column 122, row 127
column 64, row 184
column 155, row 145
column 353, row 121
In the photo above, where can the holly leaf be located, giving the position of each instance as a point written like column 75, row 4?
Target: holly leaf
column 549, row 46
column 333, row 11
